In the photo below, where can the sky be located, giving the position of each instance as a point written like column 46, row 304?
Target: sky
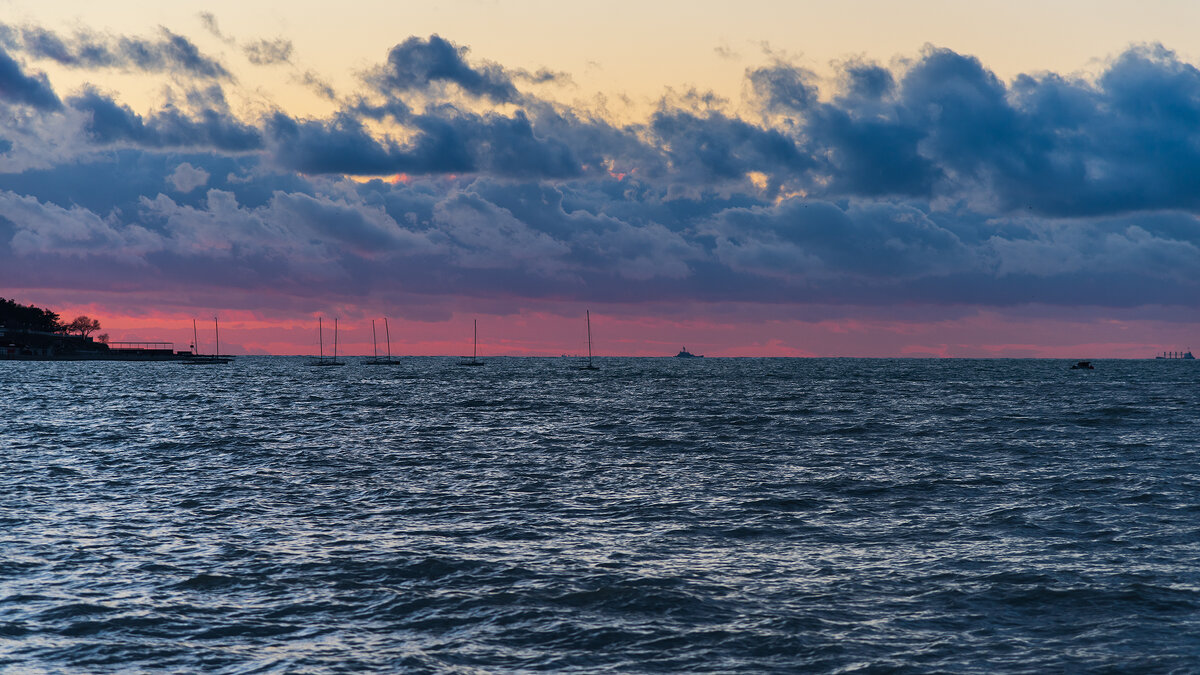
column 863, row 178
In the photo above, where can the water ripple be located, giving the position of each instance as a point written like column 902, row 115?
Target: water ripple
column 727, row 515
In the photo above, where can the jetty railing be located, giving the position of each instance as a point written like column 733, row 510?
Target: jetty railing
column 143, row 346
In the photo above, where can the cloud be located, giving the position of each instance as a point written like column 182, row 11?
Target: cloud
column 209, row 21
column 268, row 52
column 866, row 82
column 445, row 141
column 187, row 178
column 716, row 147
column 931, row 182
column 726, row 52
column 484, row 236
column 108, row 122
column 71, row 233
column 168, row 52
column 342, row 146
column 784, row 87
column 418, row 63
column 18, row 87
column 802, row 239
column 946, row 125
column 354, row 226
column 317, row 84
column 531, row 240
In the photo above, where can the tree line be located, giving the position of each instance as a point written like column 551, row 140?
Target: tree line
column 30, row 317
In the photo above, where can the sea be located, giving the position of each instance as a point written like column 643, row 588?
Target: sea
column 654, row 515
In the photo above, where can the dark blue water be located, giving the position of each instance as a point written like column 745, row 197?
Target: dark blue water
column 655, row 515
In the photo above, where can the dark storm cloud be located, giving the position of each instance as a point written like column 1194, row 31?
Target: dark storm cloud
column 341, row 146
column 785, row 87
column 506, row 146
column 168, row 52
column 1125, row 141
column 18, row 87
column 867, row 81
column 717, row 147
column 818, row 239
column 110, row 122
column 445, row 141
column 417, row 63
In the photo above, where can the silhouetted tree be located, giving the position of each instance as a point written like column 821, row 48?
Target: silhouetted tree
column 83, row 325
column 15, row 315
column 102, row 338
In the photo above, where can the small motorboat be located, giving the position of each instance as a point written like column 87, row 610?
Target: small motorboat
column 685, row 354
column 1083, row 365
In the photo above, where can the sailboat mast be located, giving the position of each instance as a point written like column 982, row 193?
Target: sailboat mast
column 195, row 339
column 321, row 336
column 388, row 333
column 589, row 325
column 335, row 338
column 374, row 344
column 475, row 343
column 217, row 336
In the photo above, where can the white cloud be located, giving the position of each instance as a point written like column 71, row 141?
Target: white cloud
column 187, row 178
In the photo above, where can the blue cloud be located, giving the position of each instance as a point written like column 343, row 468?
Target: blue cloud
column 445, row 141
column 341, row 145
column 18, row 87
column 169, row 52
column 110, row 122
column 718, row 147
column 418, row 63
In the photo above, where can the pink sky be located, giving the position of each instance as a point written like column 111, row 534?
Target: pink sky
column 712, row 330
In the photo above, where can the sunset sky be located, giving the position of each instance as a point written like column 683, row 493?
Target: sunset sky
column 860, row 178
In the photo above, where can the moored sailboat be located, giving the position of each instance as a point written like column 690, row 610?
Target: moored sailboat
column 474, row 360
column 376, row 360
column 322, row 360
column 589, row 365
column 198, row 359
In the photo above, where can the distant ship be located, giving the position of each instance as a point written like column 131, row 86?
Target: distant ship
column 1176, row 355
column 685, row 354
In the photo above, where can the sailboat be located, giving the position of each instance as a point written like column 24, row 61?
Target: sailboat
column 198, row 359
column 322, row 360
column 589, row 365
column 388, row 360
column 474, row 350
